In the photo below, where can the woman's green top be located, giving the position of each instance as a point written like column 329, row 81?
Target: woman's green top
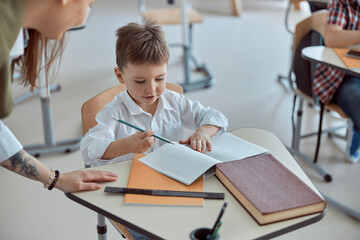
column 11, row 18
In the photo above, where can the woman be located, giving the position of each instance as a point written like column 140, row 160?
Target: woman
column 44, row 20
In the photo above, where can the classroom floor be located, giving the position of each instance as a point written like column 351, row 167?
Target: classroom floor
column 244, row 54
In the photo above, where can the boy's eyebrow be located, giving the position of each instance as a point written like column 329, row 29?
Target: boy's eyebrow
column 139, row 77
column 160, row 75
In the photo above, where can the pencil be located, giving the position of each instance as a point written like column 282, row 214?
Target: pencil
column 142, row 130
column 215, row 233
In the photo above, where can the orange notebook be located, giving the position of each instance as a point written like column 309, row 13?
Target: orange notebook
column 350, row 63
column 142, row 176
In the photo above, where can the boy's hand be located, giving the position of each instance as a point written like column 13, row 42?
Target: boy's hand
column 200, row 140
column 141, row 141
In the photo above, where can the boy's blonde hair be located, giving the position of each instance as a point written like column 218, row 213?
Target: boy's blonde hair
column 139, row 44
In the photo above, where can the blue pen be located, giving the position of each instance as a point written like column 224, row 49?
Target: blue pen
column 142, row 130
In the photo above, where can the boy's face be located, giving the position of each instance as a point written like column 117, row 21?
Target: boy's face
column 145, row 83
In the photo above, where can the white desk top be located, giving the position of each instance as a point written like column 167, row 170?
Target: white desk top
column 327, row 56
column 177, row 222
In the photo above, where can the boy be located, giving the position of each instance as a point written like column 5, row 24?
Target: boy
column 142, row 56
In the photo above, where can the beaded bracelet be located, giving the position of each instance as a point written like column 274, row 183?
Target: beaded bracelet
column 57, row 174
column 54, row 175
column 50, row 180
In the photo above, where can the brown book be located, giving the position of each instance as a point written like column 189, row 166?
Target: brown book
column 268, row 190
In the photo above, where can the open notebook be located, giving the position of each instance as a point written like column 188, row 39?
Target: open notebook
column 186, row 165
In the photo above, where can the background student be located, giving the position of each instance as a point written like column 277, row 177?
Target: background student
column 44, row 19
column 331, row 85
column 142, row 56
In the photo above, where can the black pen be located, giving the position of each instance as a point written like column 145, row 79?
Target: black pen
column 210, row 235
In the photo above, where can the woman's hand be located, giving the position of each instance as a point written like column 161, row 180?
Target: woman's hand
column 77, row 181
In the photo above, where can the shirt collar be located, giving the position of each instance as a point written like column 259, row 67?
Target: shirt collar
column 130, row 104
column 165, row 102
column 136, row 110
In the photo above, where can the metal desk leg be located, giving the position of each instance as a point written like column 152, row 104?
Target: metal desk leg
column 187, row 46
column 294, row 150
column 50, row 146
column 101, row 227
column 27, row 95
column 342, row 207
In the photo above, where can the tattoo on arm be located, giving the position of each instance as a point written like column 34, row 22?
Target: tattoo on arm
column 23, row 164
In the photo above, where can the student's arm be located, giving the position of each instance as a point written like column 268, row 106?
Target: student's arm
column 335, row 36
column 136, row 143
column 338, row 20
column 26, row 165
column 200, row 140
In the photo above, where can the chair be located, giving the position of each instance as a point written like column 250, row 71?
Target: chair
column 88, row 113
column 171, row 15
column 315, row 5
column 309, row 32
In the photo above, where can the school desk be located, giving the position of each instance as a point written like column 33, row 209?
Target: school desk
column 327, row 56
column 166, row 222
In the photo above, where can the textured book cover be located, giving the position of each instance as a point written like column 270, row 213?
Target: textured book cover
column 143, row 176
column 268, row 190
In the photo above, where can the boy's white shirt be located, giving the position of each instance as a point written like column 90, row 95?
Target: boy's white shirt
column 174, row 111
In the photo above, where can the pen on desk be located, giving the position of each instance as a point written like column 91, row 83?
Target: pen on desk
column 216, row 225
column 142, row 130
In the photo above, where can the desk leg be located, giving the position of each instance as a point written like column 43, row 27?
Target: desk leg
column 101, row 227
column 294, row 150
column 50, row 146
column 342, row 207
column 236, row 6
column 189, row 85
column 27, row 95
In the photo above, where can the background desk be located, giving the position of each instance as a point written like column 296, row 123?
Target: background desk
column 327, row 56
column 177, row 222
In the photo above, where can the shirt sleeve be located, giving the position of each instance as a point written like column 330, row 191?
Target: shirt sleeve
column 98, row 138
column 194, row 115
column 337, row 13
column 9, row 144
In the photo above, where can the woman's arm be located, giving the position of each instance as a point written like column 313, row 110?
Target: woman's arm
column 26, row 165
column 335, row 36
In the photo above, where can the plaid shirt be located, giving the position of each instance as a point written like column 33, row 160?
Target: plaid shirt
column 346, row 14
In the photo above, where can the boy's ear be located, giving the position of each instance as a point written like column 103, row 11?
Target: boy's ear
column 118, row 74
